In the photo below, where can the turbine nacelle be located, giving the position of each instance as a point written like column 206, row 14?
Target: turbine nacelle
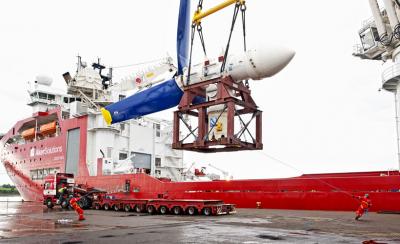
column 255, row 64
column 259, row 63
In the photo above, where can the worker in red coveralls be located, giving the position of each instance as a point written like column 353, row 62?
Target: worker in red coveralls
column 74, row 204
column 365, row 204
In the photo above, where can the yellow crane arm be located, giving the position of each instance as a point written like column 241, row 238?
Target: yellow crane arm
column 199, row 15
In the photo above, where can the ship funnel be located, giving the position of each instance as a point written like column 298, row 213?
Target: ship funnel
column 67, row 77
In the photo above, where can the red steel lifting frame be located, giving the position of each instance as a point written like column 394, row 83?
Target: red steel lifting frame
column 233, row 96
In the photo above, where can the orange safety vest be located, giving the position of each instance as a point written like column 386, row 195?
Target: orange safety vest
column 365, row 202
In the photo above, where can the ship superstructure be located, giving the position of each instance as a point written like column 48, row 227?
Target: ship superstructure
column 67, row 128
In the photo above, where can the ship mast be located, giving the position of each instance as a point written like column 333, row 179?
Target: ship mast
column 380, row 40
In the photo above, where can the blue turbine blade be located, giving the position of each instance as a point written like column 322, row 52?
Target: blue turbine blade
column 157, row 98
column 182, row 35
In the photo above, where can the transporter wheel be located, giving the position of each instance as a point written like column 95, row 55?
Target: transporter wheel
column 151, row 209
column 84, row 203
column 49, row 203
column 163, row 210
column 116, row 207
column 207, row 211
column 127, row 207
column 106, row 206
column 138, row 208
column 97, row 206
column 191, row 210
column 176, row 210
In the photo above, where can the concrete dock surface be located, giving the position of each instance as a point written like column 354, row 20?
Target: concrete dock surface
column 33, row 223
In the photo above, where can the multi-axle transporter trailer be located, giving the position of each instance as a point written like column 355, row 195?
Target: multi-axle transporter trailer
column 163, row 206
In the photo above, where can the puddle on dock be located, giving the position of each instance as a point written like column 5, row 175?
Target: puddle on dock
column 252, row 221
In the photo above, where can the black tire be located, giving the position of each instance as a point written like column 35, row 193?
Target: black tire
column 106, row 206
column 97, row 206
column 163, row 210
column 65, row 204
column 176, row 210
column 116, row 207
column 84, row 203
column 191, row 210
column 127, row 207
column 80, row 204
column 138, row 209
column 49, row 203
column 207, row 211
column 151, row 209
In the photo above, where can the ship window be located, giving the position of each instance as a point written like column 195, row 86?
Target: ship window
column 109, row 152
column 52, row 97
column 65, row 99
column 33, row 174
column 157, row 127
column 158, row 162
column 158, row 172
column 42, row 95
column 40, row 174
column 121, row 97
column 122, row 125
column 123, row 156
column 52, row 171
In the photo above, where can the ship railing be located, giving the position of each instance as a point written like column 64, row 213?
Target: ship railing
column 393, row 71
column 358, row 49
column 41, row 100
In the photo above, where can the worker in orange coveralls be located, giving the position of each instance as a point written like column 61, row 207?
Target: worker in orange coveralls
column 365, row 204
column 78, row 210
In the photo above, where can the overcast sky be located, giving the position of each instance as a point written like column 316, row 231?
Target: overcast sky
column 322, row 113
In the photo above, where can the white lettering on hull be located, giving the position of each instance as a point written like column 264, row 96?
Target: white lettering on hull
column 46, row 151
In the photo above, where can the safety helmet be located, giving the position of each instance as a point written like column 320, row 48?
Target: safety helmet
column 366, row 195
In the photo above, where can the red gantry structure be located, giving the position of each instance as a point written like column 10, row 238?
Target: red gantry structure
column 236, row 102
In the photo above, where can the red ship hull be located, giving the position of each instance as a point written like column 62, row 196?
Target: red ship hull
column 308, row 192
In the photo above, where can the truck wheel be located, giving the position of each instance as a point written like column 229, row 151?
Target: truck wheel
column 64, row 204
column 127, row 207
column 151, row 209
column 163, row 210
column 138, row 208
column 176, row 210
column 191, row 210
column 97, row 206
column 49, row 203
column 106, row 206
column 116, row 207
column 207, row 211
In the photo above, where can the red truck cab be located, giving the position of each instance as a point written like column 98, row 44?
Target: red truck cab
column 52, row 184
